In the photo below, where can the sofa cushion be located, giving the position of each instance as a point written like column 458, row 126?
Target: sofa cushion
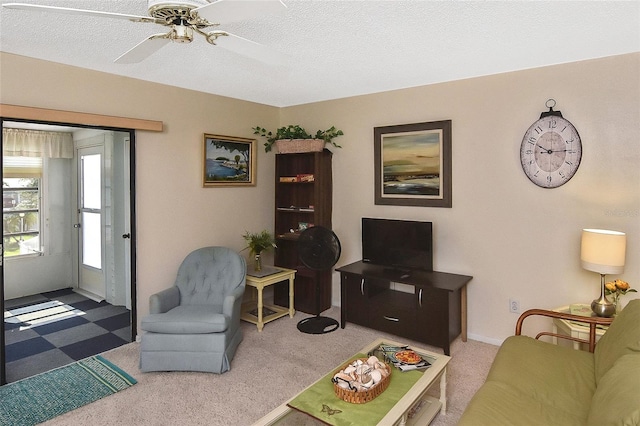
column 498, row 404
column 194, row 319
column 554, row 376
column 617, row 399
column 622, row 337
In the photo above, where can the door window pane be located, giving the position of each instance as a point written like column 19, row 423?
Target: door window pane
column 91, row 240
column 91, row 183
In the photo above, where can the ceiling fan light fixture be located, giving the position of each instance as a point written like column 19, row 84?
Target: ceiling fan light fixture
column 181, row 34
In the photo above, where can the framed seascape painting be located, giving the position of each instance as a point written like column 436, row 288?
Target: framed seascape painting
column 229, row 161
column 413, row 164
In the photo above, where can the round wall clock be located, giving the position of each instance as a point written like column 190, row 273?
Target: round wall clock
column 551, row 149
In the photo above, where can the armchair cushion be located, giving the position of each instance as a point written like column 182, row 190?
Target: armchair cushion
column 197, row 319
column 207, row 276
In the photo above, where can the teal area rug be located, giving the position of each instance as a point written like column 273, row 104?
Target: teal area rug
column 39, row 398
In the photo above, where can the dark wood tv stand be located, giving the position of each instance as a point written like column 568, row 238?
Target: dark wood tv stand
column 429, row 307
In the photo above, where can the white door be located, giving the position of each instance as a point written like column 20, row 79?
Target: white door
column 90, row 224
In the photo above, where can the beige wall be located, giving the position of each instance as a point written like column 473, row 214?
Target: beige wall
column 174, row 213
column 516, row 239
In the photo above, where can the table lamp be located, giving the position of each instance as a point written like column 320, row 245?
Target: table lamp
column 603, row 251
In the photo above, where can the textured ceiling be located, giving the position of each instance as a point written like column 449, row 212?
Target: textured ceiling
column 335, row 49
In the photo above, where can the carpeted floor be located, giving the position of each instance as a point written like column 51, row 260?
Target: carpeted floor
column 269, row 368
column 48, row 330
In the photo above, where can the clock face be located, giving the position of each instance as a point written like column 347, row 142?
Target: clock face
column 551, row 151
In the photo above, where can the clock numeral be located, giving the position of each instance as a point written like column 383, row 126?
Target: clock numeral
column 561, row 174
column 549, row 179
column 538, row 129
column 552, row 123
column 568, row 141
column 532, row 140
column 569, row 163
column 563, row 129
column 528, row 152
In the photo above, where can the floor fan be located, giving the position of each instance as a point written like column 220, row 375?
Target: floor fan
column 318, row 249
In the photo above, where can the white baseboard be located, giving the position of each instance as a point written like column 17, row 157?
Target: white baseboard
column 483, row 339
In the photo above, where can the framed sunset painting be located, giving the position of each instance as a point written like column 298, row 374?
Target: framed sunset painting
column 413, row 164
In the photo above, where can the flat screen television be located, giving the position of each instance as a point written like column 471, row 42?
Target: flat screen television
column 399, row 245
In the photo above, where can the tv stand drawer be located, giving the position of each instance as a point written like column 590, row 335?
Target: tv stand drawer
column 391, row 310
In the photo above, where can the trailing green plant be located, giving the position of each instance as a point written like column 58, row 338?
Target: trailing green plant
column 294, row 131
column 259, row 241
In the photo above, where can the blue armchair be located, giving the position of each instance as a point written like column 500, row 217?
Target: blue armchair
column 195, row 325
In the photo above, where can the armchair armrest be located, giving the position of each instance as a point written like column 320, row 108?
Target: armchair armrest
column 164, row 301
column 592, row 322
column 232, row 301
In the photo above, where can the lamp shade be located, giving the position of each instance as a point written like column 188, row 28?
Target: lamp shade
column 603, row 251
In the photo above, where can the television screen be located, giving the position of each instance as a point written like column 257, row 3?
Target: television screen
column 398, row 244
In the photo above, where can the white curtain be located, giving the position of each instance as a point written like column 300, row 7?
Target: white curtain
column 36, row 143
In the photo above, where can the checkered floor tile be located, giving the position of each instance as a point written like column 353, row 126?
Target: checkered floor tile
column 53, row 329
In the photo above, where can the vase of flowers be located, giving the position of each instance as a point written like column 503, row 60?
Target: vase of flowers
column 616, row 289
column 257, row 243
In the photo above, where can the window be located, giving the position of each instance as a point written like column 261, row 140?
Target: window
column 21, row 203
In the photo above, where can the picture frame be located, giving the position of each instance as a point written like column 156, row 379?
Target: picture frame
column 413, row 164
column 228, row 161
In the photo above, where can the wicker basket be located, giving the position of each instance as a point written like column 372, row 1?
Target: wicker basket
column 292, row 146
column 362, row 397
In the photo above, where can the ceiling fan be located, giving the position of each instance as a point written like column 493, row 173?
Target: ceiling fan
column 184, row 18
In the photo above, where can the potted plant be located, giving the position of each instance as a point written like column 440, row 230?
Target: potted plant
column 257, row 243
column 293, row 138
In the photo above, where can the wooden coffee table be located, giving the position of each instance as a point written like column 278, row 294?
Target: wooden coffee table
column 414, row 408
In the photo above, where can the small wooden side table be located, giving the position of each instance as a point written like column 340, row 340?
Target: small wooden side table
column 259, row 283
column 570, row 328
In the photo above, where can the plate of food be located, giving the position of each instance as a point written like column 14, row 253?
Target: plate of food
column 407, row 356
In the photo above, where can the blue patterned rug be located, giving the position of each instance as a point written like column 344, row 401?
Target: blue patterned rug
column 39, row 398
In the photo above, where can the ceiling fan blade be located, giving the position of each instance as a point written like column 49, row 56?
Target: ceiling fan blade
column 144, row 49
column 69, row 11
column 223, row 11
column 251, row 49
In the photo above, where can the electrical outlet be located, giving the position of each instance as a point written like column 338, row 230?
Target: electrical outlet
column 514, row 306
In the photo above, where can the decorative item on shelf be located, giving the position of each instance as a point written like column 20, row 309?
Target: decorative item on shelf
column 616, row 289
column 603, row 251
column 294, row 139
column 257, row 243
column 298, row 178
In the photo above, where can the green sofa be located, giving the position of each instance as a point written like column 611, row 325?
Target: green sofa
column 532, row 382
